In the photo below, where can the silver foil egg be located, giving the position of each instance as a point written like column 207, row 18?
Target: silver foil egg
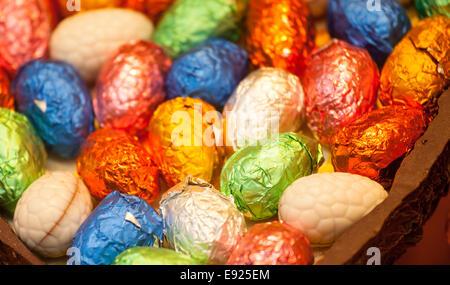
column 201, row 222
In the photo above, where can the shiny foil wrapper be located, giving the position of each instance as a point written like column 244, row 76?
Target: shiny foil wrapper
column 130, row 86
column 112, row 160
column 211, row 71
column 341, row 84
column 279, row 34
column 6, row 98
column 201, row 222
column 118, row 223
column 154, row 9
column 418, row 70
column 153, row 256
column 22, row 157
column 374, row 25
column 267, row 102
column 272, row 243
column 58, row 103
column 257, row 175
column 25, row 27
column 182, row 139
column 189, row 22
column 371, row 144
column 431, row 8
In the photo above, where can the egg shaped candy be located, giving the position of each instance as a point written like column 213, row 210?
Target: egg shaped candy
column 267, row 102
column 189, row 22
column 130, row 86
column 86, row 40
column 418, row 70
column 25, row 27
column 279, row 34
column 431, row 8
column 112, row 160
column 211, row 71
column 57, row 101
column 154, row 9
column 341, row 84
column 370, row 144
column 324, row 205
column 6, row 98
column 377, row 27
column 182, row 139
column 22, row 157
column 50, row 212
column 256, row 176
column 272, row 243
column 141, row 255
column 119, row 222
column 201, row 222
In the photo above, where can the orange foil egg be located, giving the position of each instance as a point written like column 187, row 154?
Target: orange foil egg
column 182, row 139
column 25, row 28
column 371, row 144
column 112, row 160
column 272, row 243
column 6, row 99
column 279, row 34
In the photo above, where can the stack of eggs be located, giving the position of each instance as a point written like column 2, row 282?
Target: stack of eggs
column 229, row 103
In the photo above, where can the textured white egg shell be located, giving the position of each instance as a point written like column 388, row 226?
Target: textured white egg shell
column 86, row 40
column 324, row 205
column 266, row 98
column 50, row 212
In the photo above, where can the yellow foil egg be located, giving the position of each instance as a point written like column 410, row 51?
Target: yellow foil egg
column 182, row 137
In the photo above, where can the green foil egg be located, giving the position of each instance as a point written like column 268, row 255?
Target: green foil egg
column 190, row 22
column 152, row 256
column 256, row 176
column 431, row 8
column 22, row 157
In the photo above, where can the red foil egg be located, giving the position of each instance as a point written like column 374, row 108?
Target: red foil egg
column 279, row 34
column 25, row 28
column 131, row 86
column 6, row 99
column 341, row 84
column 272, row 243
column 154, row 9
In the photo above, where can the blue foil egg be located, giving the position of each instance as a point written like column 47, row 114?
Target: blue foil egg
column 210, row 72
column 119, row 222
column 375, row 25
column 57, row 102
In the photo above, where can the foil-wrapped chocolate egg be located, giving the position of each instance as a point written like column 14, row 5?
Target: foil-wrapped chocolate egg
column 112, row 160
column 130, row 86
column 374, row 25
column 154, row 9
column 256, row 176
column 182, row 139
column 371, row 144
column 272, row 243
column 431, row 8
column 57, row 102
column 418, row 70
column 267, row 102
column 50, row 212
column 22, row 157
column 141, row 255
column 341, row 84
column 189, row 22
column 279, row 34
column 118, row 223
column 86, row 40
column 25, row 28
column 6, row 98
column 201, row 222
column 211, row 71
column 324, row 205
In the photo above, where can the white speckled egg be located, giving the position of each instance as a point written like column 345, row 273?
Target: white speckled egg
column 86, row 40
column 324, row 205
column 50, row 212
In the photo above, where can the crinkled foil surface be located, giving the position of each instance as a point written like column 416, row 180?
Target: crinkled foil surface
column 141, row 255
column 432, row 8
column 6, row 98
